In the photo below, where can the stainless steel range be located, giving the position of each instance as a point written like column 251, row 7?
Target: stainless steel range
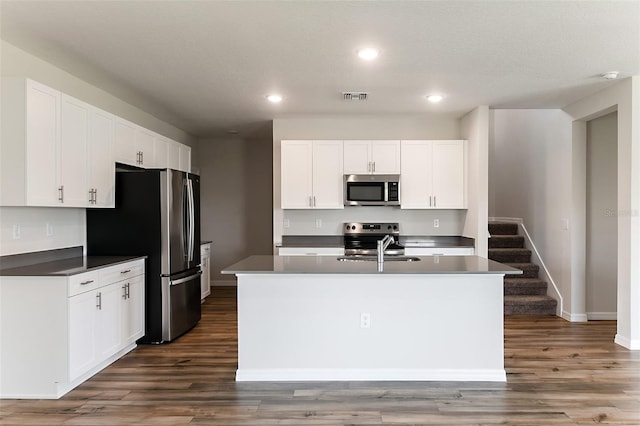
column 362, row 238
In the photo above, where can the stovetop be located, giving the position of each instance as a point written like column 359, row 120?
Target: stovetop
column 362, row 237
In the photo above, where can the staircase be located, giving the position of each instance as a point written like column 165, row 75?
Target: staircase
column 524, row 294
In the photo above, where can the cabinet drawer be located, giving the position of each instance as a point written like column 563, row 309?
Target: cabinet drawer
column 121, row 272
column 84, row 282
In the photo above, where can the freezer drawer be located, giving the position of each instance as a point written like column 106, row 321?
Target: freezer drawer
column 183, row 306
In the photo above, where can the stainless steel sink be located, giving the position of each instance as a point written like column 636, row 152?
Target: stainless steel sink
column 371, row 258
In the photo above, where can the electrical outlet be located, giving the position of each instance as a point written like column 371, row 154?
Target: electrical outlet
column 565, row 224
column 365, row 320
column 436, row 223
column 49, row 230
column 16, row 231
column 287, row 223
column 318, row 223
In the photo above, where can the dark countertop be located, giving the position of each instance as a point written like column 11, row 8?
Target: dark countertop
column 265, row 264
column 67, row 267
column 404, row 240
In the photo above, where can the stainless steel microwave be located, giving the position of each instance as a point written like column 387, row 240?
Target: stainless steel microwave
column 371, row 190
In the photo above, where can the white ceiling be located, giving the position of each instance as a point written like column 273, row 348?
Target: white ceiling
column 206, row 66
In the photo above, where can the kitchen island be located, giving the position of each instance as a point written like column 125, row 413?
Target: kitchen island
column 307, row 318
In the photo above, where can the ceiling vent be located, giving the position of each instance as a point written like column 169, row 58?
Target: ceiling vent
column 354, row 96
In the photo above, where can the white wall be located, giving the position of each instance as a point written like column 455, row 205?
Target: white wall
column 601, row 218
column 371, row 127
column 235, row 197
column 530, row 178
column 69, row 224
column 475, row 129
column 624, row 97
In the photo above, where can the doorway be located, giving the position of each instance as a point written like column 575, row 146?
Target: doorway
column 601, row 272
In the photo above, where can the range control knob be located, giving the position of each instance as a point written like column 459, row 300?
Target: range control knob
column 389, row 227
column 395, row 227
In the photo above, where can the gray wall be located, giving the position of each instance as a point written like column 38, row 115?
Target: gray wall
column 602, row 217
column 235, row 199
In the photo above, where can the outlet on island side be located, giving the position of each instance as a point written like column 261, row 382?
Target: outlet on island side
column 436, row 223
column 365, row 320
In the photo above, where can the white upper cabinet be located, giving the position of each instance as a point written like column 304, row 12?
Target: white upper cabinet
column 125, row 145
column 101, row 159
column 74, row 133
column 433, row 174
column 380, row 157
column 173, row 156
column 185, row 158
column 311, row 175
column 145, row 148
column 29, row 143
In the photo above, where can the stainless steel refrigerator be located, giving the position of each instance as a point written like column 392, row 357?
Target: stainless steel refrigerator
column 157, row 215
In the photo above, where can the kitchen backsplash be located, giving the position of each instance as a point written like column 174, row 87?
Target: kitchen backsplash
column 412, row 222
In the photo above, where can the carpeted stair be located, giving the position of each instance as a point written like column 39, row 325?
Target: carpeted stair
column 524, row 294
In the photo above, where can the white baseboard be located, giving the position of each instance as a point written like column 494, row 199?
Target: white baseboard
column 383, row 374
column 224, row 283
column 602, row 316
column 633, row 345
column 574, row 317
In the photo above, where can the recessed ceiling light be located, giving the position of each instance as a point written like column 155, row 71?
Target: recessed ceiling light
column 610, row 75
column 435, row 98
column 274, row 98
column 368, row 54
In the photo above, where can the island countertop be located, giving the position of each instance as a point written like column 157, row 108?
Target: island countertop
column 267, row 264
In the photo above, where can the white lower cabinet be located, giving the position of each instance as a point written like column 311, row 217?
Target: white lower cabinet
column 72, row 327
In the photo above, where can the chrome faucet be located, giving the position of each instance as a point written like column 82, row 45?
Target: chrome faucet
column 382, row 246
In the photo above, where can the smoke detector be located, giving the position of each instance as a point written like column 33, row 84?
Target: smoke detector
column 354, row 96
column 611, row 75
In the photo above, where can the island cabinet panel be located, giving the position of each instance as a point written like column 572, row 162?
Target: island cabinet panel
column 357, row 326
column 433, row 175
column 372, row 157
column 72, row 327
column 311, row 175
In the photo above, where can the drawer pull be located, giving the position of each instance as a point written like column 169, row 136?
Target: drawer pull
column 125, row 272
column 86, row 282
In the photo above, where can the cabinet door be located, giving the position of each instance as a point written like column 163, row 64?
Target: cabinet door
column 385, row 156
column 296, row 174
column 74, row 133
column 101, row 162
column 42, row 137
column 161, row 152
column 328, row 179
column 357, row 158
column 448, row 174
column 108, row 323
column 125, row 143
column 416, row 177
column 185, row 158
column 173, row 156
column 144, row 148
column 82, row 331
column 132, row 309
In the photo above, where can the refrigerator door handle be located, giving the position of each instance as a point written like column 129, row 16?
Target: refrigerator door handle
column 185, row 279
column 192, row 220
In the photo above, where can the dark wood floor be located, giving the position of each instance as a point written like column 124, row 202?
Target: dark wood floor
column 559, row 373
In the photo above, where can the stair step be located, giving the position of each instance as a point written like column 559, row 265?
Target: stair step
column 524, row 287
column 506, row 241
column 529, row 270
column 510, row 255
column 529, row 305
column 503, row 228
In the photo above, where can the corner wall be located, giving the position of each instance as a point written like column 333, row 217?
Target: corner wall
column 624, row 97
